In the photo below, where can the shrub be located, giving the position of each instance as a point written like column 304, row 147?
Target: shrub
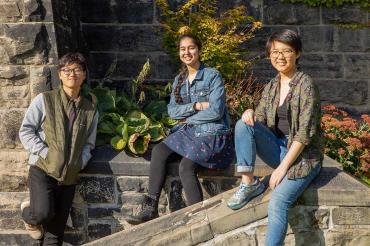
column 347, row 141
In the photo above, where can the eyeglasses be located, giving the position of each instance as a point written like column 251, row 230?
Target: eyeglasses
column 67, row 71
column 285, row 53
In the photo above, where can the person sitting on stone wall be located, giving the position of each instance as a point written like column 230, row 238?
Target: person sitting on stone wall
column 59, row 131
column 203, row 136
column 285, row 132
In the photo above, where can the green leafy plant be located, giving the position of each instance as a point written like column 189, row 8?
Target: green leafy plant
column 221, row 35
column 347, row 141
column 123, row 119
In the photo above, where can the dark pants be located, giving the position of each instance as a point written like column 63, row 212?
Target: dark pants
column 50, row 204
column 187, row 173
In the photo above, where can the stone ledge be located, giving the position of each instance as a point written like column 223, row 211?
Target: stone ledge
column 202, row 221
column 106, row 160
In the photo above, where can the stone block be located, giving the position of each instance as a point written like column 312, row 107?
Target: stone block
column 14, row 96
column 14, row 75
column 351, row 216
column 11, row 219
column 359, row 40
column 239, row 238
column 308, row 218
column 16, row 238
column 11, row 11
column 97, row 189
column 349, row 92
column 99, row 64
column 254, row 7
column 308, row 238
column 11, row 121
column 96, row 231
column 165, row 67
column 43, row 78
column 322, row 66
column 317, row 38
column 38, row 11
column 122, row 38
column 348, row 237
column 138, row 184
column 12, row 200
column 357, row 66
column 343, row 14
column 107, row 11
column 28, row 44
column 289, row 14
column 103, row 213
column 132, row 198
column 130, row 65
column 74, row 238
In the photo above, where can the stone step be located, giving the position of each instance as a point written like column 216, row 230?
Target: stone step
column 202, row 221
column 15, row 238
column 106, row 160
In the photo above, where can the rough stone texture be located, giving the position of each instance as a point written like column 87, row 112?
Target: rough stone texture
column 344, row 14
column 317, row 38
column 138, row 184
column 97, row 189
column 44, row 78
column 13, row 75
column 11, row 11
column 38, row 11
column 313, row 65
column 357, row 66
column 27, row 44
column 351, row 216
column 348, row 237
column 14, row 96
column 10, row 122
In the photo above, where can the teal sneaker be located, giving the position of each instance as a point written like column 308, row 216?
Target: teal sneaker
column 245, row 194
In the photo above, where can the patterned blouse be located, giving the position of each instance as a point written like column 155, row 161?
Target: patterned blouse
column 304, row 117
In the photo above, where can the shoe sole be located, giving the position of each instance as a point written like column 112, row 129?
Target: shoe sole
column 239, row 206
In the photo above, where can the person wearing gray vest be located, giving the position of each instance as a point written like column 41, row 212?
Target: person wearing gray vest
column 59, row 131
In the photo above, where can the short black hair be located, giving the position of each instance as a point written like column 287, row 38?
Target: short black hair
column 286, row 36
column 73, row 58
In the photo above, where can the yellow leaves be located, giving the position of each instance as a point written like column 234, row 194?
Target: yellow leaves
column 184, row 30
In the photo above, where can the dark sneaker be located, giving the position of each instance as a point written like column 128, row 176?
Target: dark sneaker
column 148, row 211
column 245, row 194
column 35, row 231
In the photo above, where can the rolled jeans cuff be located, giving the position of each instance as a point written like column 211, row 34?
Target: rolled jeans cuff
column 244, row 169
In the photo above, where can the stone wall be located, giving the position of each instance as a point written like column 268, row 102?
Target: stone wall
column 28, row 58
column 338, row 59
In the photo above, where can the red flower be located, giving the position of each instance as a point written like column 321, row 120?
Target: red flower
column 354, row 143
column 366, row 118
column 341, row 151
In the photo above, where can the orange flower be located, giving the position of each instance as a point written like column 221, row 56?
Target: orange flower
column 366, row 118
column 341, row 151
column 330, row 136
column 354, row 143
column 365, row 139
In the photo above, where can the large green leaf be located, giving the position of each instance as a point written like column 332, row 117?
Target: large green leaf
column 118, row 142
column 106, row 99
column 156, row 132
column 121, row 130
column 167, row 121
column 138, row 144
column 156, row 110
column 106, row 127
column 137, row 122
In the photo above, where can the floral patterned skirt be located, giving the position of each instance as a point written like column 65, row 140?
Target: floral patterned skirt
column 213, row 151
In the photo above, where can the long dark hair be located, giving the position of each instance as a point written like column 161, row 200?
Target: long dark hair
column 183, row 72
column 288, row 37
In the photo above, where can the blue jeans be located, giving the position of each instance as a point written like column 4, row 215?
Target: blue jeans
column 258, row 139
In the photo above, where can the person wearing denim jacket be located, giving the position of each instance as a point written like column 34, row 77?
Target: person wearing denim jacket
column 285, row 132
column 202, row 138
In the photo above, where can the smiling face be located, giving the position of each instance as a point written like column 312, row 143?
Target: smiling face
column 283, row 57
column 72, row 76
column 189, row 52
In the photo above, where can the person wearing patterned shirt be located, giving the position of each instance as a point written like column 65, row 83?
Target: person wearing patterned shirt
column 285, row 132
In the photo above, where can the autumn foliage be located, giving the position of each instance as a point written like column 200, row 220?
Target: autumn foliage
column 348, row 140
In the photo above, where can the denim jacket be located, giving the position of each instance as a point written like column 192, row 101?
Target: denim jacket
column 206, row 87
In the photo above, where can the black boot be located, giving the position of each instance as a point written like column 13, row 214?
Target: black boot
column 148, row 211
